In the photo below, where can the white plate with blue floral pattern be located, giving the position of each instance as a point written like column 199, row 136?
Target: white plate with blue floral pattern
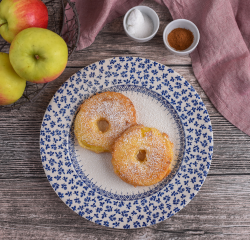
column 85, row 181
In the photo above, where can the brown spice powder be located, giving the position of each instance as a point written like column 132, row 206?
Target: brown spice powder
column 180, row 39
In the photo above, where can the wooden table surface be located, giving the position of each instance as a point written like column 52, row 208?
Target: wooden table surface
column 29, row 207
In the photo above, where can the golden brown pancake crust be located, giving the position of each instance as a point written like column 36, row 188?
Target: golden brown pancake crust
column 115, row 110
column 158, row 155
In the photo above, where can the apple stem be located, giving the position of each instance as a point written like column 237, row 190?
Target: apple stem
column 36, row 56
column 2, row 24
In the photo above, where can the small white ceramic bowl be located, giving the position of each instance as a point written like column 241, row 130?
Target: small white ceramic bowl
column 181, row 23
column 151, row 14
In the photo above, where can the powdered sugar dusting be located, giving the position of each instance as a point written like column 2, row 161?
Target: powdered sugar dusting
column 98, row 167
column 116, row 109
column 157, row 162
column 152, row 114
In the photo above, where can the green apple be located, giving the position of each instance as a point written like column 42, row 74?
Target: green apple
column 16, row 15
column 11, row 85
column 38, row 55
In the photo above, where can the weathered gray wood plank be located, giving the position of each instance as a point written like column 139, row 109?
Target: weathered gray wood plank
column 221, row 210
column 112, row 42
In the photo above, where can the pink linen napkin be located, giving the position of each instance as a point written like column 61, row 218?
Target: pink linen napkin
column 221, row 62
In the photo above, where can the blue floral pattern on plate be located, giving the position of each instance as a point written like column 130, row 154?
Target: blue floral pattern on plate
column 123, row 210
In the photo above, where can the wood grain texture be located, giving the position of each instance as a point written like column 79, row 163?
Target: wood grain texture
column 218, row 211
column 29, row 207
column 117, row 43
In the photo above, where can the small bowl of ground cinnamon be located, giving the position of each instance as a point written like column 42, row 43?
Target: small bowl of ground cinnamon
column 181, row 37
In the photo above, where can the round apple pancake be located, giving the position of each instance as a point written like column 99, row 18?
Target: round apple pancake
column 142, row 156
column 102, row 119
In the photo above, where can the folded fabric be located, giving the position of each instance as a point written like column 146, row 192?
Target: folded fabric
column 221, row 61
column 95, row 14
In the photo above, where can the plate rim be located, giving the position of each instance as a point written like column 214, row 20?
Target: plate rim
column 55, row 186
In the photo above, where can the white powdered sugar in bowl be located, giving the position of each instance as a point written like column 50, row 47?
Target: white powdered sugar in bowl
column 141, row 23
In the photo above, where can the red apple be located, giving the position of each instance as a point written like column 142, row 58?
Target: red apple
column 17, row 15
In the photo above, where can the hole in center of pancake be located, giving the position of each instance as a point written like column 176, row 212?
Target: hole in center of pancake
column 103, row 125
column 141, row 155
